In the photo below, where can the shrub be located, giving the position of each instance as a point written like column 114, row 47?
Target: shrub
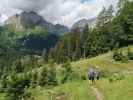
column 47, row 76
column 116, row 77
column 130, row 54
column 105, row 73
column 34, row 78
column 83, row 77
column 3, row 81
column 119, row 56
column 16, row 87
column 51, row 77
column 42, row 77
column 67, row 72
column 124, row 59
column 111, row 79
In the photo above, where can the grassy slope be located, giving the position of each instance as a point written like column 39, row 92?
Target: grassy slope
column 2, row 96
column 77, row 90
column 118, row 90
column 105, row 62
column 80, row 90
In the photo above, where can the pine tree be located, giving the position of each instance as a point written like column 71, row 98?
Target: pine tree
column 105, row 16
column 100, row 19
column 84, row 39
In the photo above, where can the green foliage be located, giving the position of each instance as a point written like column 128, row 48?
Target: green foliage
column 17, row 66
column 42, row 78
column 47, row 75
column 130, row 54
column 116, row 77
column 16, row 86
column 52, row 80
column 68, row 48
column 105, row 16
column 7, row 39
column 67, row 72
column 119, row 56
column 111, row 31
column 125, row 19
column 85, row 41
column 85, row 34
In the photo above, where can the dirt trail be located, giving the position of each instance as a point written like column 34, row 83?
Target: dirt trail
column 98, row 94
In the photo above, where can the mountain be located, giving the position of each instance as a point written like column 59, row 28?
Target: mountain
column 81, row 23
column 27, row 20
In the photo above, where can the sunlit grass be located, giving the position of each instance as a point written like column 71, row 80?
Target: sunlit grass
column 76, row 90
column 3, row 96
column 117, row 90
column 105, row 62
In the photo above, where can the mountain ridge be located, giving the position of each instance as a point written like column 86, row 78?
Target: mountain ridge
column 31, row 19
column 82, row 22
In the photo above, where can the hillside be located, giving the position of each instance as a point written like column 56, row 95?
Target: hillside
column 116, row 75
column 104, row 61
column 82, row 90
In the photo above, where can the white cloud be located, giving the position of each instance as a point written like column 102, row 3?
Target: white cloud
column 56, row 11
column 2, row 19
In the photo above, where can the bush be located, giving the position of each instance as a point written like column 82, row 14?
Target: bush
column 119, row 56
column 83, row 77
column 67, row 72
column 47, row 76
column 34, row 78
column 124, row 59
column 42, row 77
column 3, row 82
column 116, row 77
column 51, row 77
column 130, row 54
column 16, row 87
column 105, row 73
column 111, row 79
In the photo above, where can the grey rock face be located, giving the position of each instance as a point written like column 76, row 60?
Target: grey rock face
column 81, row 23
column 32, row 19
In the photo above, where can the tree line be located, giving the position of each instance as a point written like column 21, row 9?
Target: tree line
column 112, row 30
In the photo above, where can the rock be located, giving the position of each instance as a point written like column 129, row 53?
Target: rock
column 31, row 19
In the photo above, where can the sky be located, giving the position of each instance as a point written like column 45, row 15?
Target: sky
column 65, row 12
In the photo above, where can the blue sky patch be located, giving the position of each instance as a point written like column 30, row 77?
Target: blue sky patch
column 83, row 1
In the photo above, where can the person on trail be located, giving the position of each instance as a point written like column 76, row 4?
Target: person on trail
column 91, row 74
column 97, row 73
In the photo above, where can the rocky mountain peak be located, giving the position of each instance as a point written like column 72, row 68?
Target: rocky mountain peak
column 81, row 23
column 31, row 19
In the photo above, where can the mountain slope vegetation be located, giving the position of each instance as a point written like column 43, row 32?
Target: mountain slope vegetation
column 115, row 84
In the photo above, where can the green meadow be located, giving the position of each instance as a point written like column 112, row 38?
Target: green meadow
column 115, row 85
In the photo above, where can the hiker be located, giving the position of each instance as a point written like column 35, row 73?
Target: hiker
column 91, row 74
column 97, row 73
